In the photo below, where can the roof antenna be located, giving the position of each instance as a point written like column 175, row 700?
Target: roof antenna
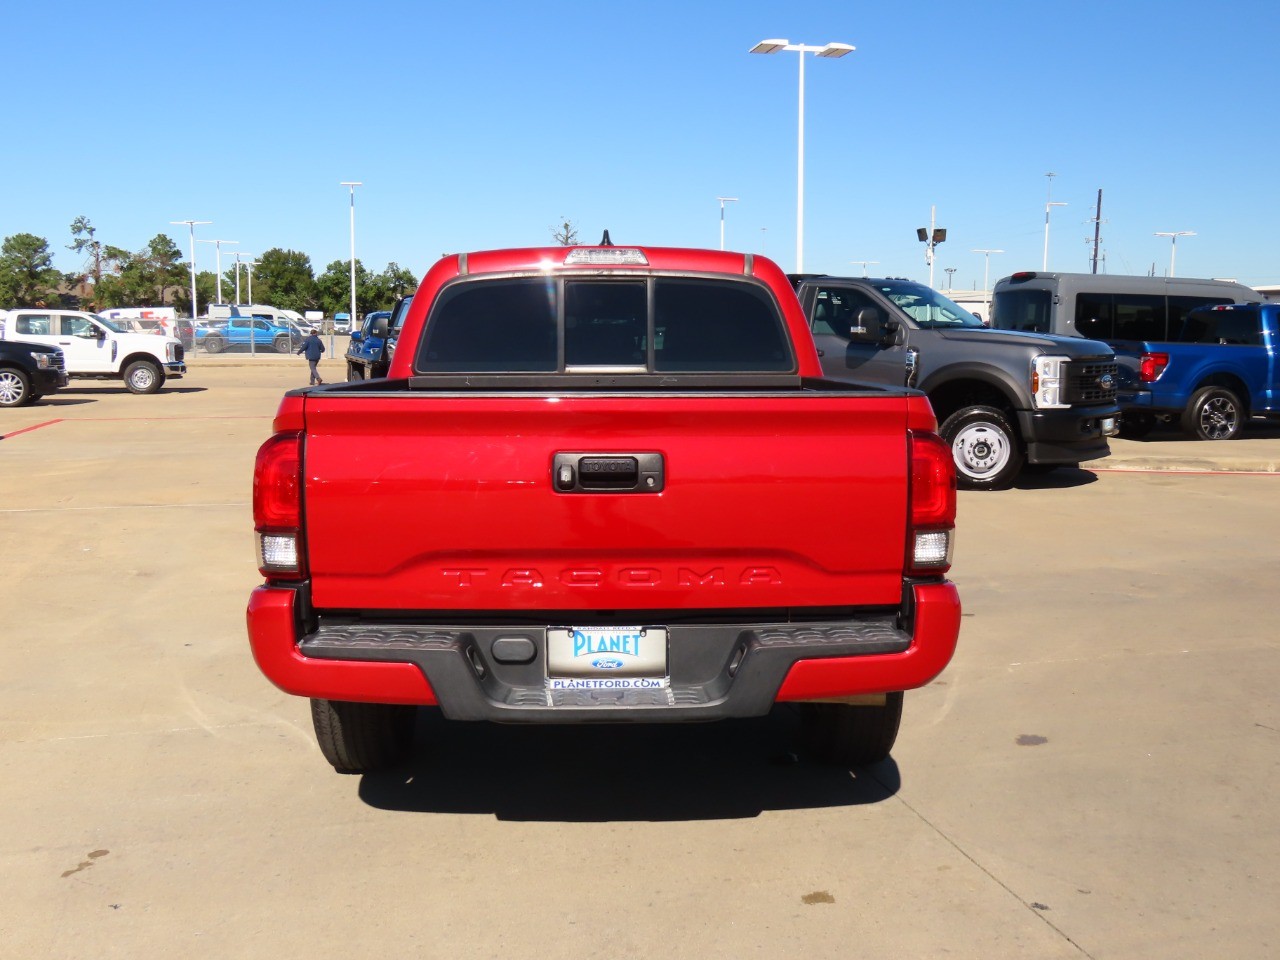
column 605, row 241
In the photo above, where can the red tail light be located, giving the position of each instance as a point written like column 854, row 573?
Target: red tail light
column 277, row 506
column 933, row 505
column 1152, row 365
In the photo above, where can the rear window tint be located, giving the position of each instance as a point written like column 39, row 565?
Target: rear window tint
column 663, row 325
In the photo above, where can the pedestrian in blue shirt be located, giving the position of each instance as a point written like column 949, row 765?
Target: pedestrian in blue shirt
column 313, row 349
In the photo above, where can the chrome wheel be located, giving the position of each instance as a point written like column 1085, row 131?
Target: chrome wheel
column 13, row 388
column 1219, row 418
column 981, row 450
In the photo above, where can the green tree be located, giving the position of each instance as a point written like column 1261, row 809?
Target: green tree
column 333, row 288
column 391, row 284
column 84, row 241
column 284, row 279
column 142, row 279
column 27, row 275
column 206, row 292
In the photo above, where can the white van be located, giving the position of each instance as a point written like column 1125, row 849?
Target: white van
column 98, row 349
column 225, row 311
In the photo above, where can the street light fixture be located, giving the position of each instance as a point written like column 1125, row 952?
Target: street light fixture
column 723, row 201
column 1173, row 247
column 351, row 184
column 863, row 264
column 950, row 272
column 217, row 244
column 192, row 224
column 931, row 237
column 827, row 51
column 1048, row 203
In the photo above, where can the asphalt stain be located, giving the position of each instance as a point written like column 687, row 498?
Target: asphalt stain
column 1031, row 740
column 1039, row 906
column 85, row 864
column 818, row 896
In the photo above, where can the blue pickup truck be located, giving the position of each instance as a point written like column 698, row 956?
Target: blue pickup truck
column 1217, row 373
column 256, row 333
column 373, row 345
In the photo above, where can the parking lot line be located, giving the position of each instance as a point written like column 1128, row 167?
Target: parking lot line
column 37, row 426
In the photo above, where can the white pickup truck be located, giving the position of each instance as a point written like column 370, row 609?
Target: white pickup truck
column 96, row 348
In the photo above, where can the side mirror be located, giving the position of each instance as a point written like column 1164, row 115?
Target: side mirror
column 889, row 332
column 356, row 336
column 867, row 326
column 379, row 327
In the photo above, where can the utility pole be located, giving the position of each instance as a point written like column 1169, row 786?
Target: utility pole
column 1097, row 230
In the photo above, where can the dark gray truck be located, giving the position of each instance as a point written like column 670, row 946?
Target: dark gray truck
column 1002, row 399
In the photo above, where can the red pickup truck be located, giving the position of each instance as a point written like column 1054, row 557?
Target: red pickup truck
column 603, row 484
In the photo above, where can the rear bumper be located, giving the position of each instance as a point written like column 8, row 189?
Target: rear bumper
column 717, row 670
column 1067, row 436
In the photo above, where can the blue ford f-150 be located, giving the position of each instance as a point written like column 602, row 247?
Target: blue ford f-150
column 1219, row 372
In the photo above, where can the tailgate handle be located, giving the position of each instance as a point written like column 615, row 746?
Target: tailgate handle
column 607, row 472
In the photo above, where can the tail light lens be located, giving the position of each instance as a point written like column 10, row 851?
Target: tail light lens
column 932, row 509
column 1151, row 366
column 277, row 506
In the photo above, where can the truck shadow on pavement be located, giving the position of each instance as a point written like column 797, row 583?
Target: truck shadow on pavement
column 120, row 391
column 731, row 769
column 1060, row 479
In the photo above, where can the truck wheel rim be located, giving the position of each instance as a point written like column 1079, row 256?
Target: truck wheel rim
column 981, row 450
column 1218, row 418
column 10, row 388
column 142, row 378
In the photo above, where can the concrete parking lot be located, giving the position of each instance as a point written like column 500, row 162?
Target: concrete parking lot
column 1097, row 774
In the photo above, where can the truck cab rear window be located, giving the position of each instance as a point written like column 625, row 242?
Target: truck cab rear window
column 660, row 325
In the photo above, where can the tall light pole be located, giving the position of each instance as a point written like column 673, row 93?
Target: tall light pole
column 352, row 184
column 192, row 224
column 829, row 50
column 723, row 201
column 863, row 264
column 986, row 270
column 239, row 254
column 1047, row 205
column 217, row 245
column 931, row 237
column 950, row 272
column 251, row 264
column 1173, row 247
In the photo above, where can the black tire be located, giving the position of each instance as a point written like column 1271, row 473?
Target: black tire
column 15, row 388
column 362, row 737
column 1135, row 426
column 213, row 344
column 1214, row 413
column 284, row 344
column 986, row 449
column 850, row 736
column 354, row 373
column 143, row 376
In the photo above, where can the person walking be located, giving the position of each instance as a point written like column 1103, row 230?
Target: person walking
column 313, row 349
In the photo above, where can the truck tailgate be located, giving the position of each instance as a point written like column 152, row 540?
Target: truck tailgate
column 439, row 502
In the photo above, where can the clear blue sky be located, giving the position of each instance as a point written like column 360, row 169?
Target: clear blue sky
column 482, row 124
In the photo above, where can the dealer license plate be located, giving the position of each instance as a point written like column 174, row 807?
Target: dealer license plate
column 613, row 658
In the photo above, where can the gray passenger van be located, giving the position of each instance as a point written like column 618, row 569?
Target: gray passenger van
column 1106, row 307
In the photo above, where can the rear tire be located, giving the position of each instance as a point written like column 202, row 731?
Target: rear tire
column 354, row 373
column 362, row 737
column 15, row 388
column 213, row 344
column 283, row 345
column 1214, row 413
column 984, row 446
column 851, row 736
column 143, row 376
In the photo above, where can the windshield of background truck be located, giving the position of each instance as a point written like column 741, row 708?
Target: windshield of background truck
column 512, row 325
column 1021, row 309
column 929, row 309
